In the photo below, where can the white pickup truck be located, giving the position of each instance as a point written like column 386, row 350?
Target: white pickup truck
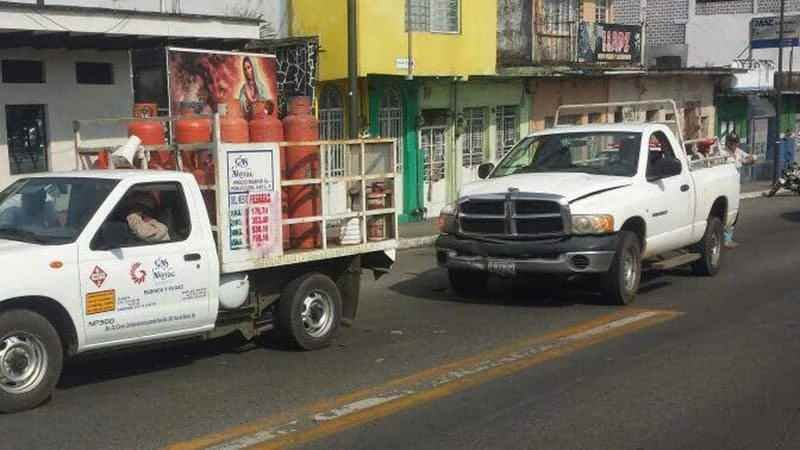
column 76, row 279
column 597, row 200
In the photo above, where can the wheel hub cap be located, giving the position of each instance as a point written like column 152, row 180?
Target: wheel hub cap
column 317, row 314
column 629, row 270
column 23, row 363
column 716, row 249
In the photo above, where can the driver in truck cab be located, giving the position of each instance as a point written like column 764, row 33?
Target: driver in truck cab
column 141, row 219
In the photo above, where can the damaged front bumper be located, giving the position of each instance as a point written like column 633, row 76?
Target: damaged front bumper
column 567, row 256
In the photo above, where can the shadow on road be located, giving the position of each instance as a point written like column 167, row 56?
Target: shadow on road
column 793, row 216
column 98, row 368
column 433, row 285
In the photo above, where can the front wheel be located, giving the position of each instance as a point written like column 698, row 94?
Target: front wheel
column 31, row 358
column 710, row 249
column 309, row 312
column 622, row 280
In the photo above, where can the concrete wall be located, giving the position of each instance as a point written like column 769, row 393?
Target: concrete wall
column 684, row 90
column 549, row 94
column 65, row 100
column 716, row 40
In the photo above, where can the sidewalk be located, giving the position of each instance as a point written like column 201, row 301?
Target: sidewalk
column 417, row 234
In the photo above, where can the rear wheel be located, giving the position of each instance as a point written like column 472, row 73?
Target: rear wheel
column 710, row 249
column 309, row 312
column 622, row 280
column 31, row 359
column 468, row 283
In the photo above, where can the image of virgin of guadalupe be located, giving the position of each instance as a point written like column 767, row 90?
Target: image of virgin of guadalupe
column 254, row 90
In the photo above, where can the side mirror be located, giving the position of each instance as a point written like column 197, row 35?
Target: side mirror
column 665, row 168
column 484, row 170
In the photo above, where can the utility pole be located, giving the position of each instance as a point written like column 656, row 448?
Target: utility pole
column 353, row 116
column 779, row 102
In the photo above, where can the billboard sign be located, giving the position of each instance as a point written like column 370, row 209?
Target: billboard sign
column 764, row 32
column 607, row 42
column 201, row 80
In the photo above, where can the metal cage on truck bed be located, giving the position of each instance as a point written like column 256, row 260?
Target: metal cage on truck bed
column 362, row 163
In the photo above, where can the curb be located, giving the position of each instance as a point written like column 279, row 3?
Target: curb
column 419, row 242
column 752, row 195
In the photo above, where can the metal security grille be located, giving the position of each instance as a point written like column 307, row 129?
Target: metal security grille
column 474, row 140
column 507, row 129
column 601, row 11
column 438, row 16
column 433, row 144
column 390, row 120
column 331, row 127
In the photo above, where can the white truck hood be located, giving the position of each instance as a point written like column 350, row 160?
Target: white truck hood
column 572, row 186
column 25, row 264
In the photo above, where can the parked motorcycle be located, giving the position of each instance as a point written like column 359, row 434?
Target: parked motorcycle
column 789, row 180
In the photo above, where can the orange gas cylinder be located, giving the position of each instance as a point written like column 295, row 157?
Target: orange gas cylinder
column 150, row 132
column 233, row 127
column 102, row 160
column 302, row 162
column 266, row 127
column 191, row 129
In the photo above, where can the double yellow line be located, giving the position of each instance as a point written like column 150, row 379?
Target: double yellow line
column 328, row 417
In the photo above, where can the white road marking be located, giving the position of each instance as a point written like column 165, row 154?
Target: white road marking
column 307, row 422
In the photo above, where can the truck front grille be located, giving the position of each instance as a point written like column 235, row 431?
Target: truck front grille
column 514, row 215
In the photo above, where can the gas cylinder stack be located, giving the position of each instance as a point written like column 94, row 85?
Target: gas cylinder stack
column 298, row 162
column 302, row 162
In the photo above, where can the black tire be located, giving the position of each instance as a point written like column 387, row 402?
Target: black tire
column 316, row 297
column 710, row 249
column 24, row 334
column 620, row 285
column 468, row 283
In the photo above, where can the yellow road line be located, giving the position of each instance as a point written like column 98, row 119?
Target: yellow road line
column 332, row 416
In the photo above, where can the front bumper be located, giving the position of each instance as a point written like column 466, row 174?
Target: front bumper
column 567, row 256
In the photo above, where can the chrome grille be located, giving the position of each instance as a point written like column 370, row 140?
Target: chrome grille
column 514, row 215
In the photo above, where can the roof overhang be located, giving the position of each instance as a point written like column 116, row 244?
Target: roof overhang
column 66, row 27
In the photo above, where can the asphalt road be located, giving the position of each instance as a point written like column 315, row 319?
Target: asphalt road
column 721, row 374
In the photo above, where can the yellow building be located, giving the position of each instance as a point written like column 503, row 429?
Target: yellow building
column 408, row 52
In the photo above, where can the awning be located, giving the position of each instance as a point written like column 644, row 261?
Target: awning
column 760, row 107
column 75, row 28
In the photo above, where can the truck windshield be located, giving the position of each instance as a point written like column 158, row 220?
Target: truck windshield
column 50, row 211
column 600, row 153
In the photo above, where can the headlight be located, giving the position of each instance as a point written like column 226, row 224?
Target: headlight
column 592, row 224
column 447, row 219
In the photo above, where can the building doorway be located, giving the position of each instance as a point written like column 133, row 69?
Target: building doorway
column 26, row 126
column 390, row 123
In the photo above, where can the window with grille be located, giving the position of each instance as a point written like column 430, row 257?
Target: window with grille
column 507, row 129
column 390, row 120
column 601, row 10
column 331, row 127
column 436, row 16
column 432, row 142
column 474, row 141
column 559, row 15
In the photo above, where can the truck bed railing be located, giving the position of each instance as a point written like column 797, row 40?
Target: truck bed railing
column 612, row 107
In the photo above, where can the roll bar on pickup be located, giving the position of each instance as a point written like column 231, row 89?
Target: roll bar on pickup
column 663, row 104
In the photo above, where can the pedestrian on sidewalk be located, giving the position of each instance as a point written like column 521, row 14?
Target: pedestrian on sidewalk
column 788, row 149
column 740, row 158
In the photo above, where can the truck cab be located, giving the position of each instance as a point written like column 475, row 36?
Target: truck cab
column 594, row 200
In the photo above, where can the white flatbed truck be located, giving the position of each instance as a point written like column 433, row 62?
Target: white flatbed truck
column 74, row 280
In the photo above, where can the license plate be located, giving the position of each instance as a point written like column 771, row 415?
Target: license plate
column 502, row 268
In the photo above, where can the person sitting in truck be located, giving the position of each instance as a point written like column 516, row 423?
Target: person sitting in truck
column 141, row 219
